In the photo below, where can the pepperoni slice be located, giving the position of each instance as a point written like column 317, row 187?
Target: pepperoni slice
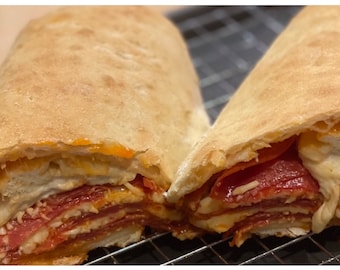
column 284, row 176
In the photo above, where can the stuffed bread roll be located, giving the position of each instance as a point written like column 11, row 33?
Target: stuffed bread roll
column 99, row 105
column 270, row 163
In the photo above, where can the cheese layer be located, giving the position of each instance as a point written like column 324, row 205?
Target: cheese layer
column 26, row 181
column 320, row 154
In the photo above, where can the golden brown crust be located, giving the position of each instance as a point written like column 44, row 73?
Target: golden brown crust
column 294, row 87
column 113, row 76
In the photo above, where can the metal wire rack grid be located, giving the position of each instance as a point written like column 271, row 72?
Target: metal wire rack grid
column 225, row 43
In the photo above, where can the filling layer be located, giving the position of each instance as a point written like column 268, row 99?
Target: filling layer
column 277, row 196
column 88, row 213
column 25, row 181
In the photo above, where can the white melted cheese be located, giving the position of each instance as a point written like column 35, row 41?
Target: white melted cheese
column 320, row 155
column 224, row 222
column 291, row 232
column 244, row 188
column 93, row 225
column 220, row 223
column 121, row 237
column 208, row 205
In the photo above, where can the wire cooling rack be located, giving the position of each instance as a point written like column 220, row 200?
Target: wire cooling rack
column 225, row 43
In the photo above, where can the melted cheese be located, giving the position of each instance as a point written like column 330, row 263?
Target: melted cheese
column 121, row 238
column 93, row 225
column 162, row 212
column 32, row 180
column 87, row 146
column 220, row 223
column 136, row 191
column 115, row 150
column 320, row 155
column 244, row 188
column 121, row 196
column 279, row 231
column 224, row 222
column 117, row 196
column 39, row 237
column 209, row 205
